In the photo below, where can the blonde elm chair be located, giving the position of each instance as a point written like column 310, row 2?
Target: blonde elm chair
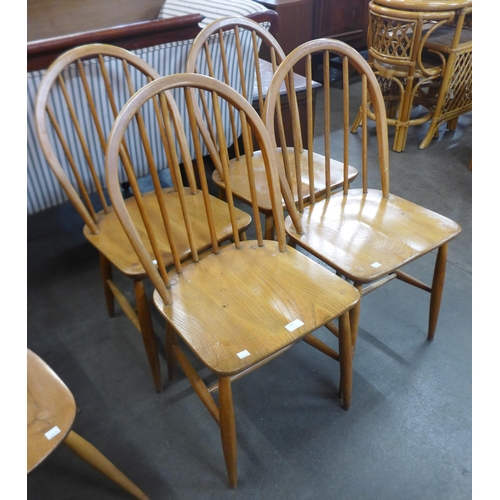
column 236, row 306
column 228, row 49
column 51, row 413
column 365, row 234
column 79, row 97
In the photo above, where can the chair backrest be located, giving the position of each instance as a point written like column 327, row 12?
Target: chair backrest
column 138, row 226
column 78, row 99
column 397, row 37
column 228, row 49
column 338, row 99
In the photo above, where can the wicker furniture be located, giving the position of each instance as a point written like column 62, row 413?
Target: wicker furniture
column 453, row 43
column 396, row 38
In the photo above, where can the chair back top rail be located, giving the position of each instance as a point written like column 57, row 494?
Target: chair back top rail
column 350, row 59
column 63, row 125
column 228, row 49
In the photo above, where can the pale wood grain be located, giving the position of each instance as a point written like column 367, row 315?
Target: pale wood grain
column 231, row 306
column 50, row 405
column 243, row 299
column 102, row 227
column 368, row 234
column 305, row 157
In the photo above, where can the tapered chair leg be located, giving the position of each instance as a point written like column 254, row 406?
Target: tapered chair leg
column 354, row 314
column 107, row 275
column 228, row 429
column 147, row 332
column 437, row 289
column 269, row 224
column 90, row 454
column 346, row 352
column 171, row 341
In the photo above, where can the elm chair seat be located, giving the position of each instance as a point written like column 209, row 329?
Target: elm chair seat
column 51, row 413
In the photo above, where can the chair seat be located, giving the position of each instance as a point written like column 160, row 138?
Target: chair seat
column 51, row 409
column 113, row 242
column 442, row 39
column 366, row 236
column 239, row 178
column 233, row 310
column 387, row 70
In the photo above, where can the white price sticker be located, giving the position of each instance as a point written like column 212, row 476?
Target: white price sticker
column 53, row 432
column 294, row 325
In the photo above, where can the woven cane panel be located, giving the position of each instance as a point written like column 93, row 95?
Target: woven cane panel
column 459, row 94
column 392, row 37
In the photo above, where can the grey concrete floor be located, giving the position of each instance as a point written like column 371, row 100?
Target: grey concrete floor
column 407, row 435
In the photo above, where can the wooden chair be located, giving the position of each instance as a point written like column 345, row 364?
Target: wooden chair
column 395, row 45
column 225, row 44
column 368, row 234
column 78, row 99
column 51, row 413
column 239, row 305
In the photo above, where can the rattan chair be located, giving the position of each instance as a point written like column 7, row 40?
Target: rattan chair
column 453, row 43
column 396, row 39
column 236, row 306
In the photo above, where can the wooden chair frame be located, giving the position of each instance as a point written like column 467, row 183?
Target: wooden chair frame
column 365, row 234
column 231, row 304
column 218, row 31
column 49, row 402
column 102, row 228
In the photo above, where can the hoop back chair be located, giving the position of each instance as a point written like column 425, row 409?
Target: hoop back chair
column 78, row 99
column 396, row 39
column 365, row 234
column 51, row 413
column 238, row 305
column 223, row 44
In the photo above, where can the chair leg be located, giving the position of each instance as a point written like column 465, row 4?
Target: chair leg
column 346, row 352
column 403, row 121
column 147, row 333
column 432, row 133
column 357, row 122
column 437, row 289
column 269, row 227
column 90, row 454
column 107, row 274
column 228, row 429
column 354, row 314
column 171, row 341
column 452, row 124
